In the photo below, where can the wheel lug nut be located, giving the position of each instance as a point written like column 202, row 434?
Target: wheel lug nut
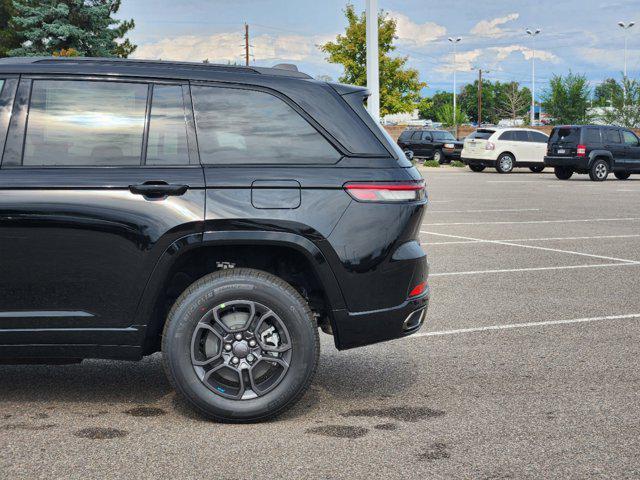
column 250, row 358
column 252, row 343
column 238, row 336
column 227, row 347
column 235, row 360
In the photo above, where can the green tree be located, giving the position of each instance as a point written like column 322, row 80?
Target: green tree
column 512, row 102
column 607, row 93
column 624, row 110
column 45, row 27
column 399, row 86
column 8, row 36
column 566, row 99
column 428, row 107
column 444, row 115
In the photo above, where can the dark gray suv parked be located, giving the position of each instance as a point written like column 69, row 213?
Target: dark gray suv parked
column 593, row 149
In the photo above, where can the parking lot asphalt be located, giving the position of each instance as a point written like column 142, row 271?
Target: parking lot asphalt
column 528, row 367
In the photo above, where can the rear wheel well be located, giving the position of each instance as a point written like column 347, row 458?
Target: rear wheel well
column 284, row 262
column 602, row 157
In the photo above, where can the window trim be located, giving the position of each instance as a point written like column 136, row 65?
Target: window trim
column 7, row 99
column 340, row 150
column 16, row 136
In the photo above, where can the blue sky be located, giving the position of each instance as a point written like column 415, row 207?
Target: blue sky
column 581, row 36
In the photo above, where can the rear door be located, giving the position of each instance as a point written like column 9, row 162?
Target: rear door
column 538, row 146
column 99, row 177
column 523, row 147
column 632, row 148
column 613, row 143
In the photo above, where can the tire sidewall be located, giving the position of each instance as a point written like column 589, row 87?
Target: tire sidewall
column 190, row 310
column 438, row 156
column 593, row 174
column 499, row 165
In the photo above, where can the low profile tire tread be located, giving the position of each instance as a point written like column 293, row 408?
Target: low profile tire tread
column 240, row 273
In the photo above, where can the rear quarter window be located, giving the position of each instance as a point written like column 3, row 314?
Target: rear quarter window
column 591, row 135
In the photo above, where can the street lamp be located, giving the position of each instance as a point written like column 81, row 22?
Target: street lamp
column 533, row 34
column 625, row 27
column 454, row 41
column 373, row 67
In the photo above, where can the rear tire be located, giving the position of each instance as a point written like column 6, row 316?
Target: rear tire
column 599, row 171
column 537, row 168
column 505, row 163
column 240, row 345
column 622, row 175
column 477, row 168
column 563, row 173
column 409, row 154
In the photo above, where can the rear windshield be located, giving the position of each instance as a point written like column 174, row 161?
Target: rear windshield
column 565, row 135
column 482, row 134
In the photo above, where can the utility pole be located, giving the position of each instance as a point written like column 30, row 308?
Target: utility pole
column 246, row 44
column 373, row 67
column 533, row 34
column 479, row 97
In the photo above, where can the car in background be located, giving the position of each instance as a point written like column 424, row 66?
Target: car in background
column 593, row 149
column 505, row 149
column 439, row 145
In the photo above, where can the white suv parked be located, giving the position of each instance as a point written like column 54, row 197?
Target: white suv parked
column 504, row 149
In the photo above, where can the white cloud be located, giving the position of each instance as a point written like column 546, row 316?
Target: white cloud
column 492, row 28
column 502, row 53
column 411, row 33
column 229, row 47
column 465, row 61
column 611, row 59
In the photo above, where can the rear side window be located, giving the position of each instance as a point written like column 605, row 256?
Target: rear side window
column 167, row 144
column 592, row 135
column 73, row 123
column 566, row 135
column 538, row 137
column 613, row 136
column 482, row 134
column 238, row 126
column 521, row 135
column 507, row 136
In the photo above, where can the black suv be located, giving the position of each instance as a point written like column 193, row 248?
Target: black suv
column 218, row 214
column 593, row 149
column 439, row 145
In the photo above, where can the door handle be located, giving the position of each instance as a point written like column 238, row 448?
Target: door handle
column 158, row 189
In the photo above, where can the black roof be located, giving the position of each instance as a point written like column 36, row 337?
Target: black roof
column 125, row 66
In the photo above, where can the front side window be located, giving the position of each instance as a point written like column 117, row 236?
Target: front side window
column 238, row 126
column 630, row 138
column 167, row 144
column 85, row 123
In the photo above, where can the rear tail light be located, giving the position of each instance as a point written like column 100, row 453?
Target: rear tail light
column 418, row 290
column 386, row 192
column 582, row 150
column 490, row 146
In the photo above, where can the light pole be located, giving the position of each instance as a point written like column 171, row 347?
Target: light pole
column 625, row 27
column 533, row 34
column 373, row 67
column 454, row 41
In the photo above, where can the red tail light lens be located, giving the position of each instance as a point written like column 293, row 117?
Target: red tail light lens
column 386, row 192
column 582, row 150
column 418, row 289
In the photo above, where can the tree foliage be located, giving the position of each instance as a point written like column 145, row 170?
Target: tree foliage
column 624, row 110
column 429, row 107
column 87, row 27
column 566, row 99
column 607, row 93
column 399, row 86
column 8, row 37
column 444, row 115
column 499, row 100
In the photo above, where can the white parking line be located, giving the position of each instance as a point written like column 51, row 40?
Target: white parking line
column 594, row 237
column 513, row 181
column 534, row 247
column 532, row 269
column 481, row 211
column 526, row 325
column 624, row 219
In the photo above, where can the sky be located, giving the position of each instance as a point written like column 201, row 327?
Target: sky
column 581, row 36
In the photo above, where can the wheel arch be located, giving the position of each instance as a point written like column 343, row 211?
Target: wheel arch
column 601, row 154
column 194, row 256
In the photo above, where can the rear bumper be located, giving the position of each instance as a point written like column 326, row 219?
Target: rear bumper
column 364, row 328
column 479, row 161
column 577, row 163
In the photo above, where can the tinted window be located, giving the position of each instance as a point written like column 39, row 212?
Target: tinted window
column 416, row 135
column 481, row 134
column 426, row 136
column 237, row 126
column 539, row 137
column 167, row 143
column 521, row 135
column 1, row 84
column 85, row 123
column 629, row 138
column 592, row 135
column 404, row 135
column 612, row 135
column 565, row 134
column 507, row 136
column 443, row 136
